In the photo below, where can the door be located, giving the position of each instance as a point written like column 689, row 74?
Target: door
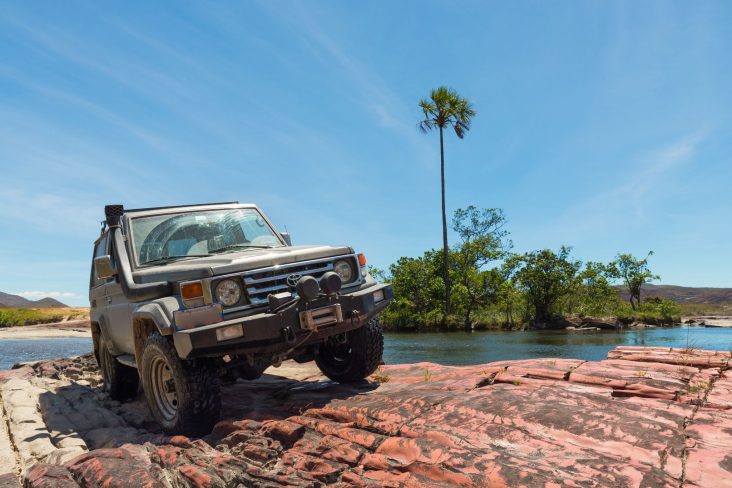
column 97, row 301
column 118, row 312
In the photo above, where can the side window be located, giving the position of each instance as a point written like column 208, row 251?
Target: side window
column 99, row 250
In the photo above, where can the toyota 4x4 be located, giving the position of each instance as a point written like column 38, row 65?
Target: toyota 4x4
column 185, row 297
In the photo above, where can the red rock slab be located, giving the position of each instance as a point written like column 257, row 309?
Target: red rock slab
column 454, row 378
column 24, row 373
column 720, row 395
column 630, row 378
column 709, row 460
column 678, row 359
column 550, row 364
column 533, row 423
column 9, row 480
column 682, row 357
column 700, row 352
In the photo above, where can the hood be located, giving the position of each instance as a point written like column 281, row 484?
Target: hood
column 238, row 261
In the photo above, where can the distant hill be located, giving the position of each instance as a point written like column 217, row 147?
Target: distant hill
column 684, row 294
column 49, row 302
column 16, row 301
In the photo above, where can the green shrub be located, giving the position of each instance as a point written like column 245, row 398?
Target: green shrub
column 656, row 312
column 13, row 317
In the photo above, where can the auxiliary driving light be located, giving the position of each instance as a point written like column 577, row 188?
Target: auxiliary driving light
column 330, row 283
column 307, row 288
column 378, row 296
column 230, row 332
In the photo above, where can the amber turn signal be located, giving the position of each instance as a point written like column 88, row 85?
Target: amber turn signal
column 362, row 260
column 191, row 290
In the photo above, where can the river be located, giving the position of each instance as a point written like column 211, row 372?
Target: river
column 461, row 348
column 454, row 348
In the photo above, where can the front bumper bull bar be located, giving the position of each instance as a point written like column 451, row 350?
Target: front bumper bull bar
column 281, row 331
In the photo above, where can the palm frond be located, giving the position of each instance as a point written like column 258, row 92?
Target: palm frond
column 425, row 125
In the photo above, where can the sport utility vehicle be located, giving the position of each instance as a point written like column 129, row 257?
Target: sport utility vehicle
column 184, row 297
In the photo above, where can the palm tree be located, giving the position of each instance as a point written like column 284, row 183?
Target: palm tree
column 446, row 108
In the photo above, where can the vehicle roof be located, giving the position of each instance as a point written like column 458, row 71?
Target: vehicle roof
column 140, row 212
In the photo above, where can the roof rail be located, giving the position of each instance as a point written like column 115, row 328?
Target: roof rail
column 179, row 206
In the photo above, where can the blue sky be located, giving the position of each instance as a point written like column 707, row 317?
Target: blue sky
column 605, row 126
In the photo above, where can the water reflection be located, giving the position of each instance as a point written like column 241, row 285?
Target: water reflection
column 460, row 348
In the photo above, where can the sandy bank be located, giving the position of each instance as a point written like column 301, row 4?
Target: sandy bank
column 70, row 328
column 710, row 320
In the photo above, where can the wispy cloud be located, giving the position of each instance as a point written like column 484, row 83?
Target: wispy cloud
column 652, row 170
column 648, row 178
column 374, row 94
column 49, row 212
column 128, row 72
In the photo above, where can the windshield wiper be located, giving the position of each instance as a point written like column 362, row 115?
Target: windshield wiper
column 238, row 246
column 170, row 259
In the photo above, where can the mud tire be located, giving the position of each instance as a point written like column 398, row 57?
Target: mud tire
column 184, row 397
column 119, row 381
column 355, row 360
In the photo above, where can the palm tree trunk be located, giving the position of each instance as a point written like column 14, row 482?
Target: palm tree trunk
column 446, row 273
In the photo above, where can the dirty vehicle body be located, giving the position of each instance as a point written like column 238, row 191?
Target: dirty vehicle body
column 183, row 298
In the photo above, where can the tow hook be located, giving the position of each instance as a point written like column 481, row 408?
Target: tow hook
column 289, row 335
column 355, row 316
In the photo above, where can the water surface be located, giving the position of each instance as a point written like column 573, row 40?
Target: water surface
column 16, row 350
column 461, row 348
column 453, row 348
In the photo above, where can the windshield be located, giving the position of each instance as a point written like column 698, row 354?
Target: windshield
column 165, row 238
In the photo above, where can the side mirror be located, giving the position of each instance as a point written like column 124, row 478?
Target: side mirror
column 103, row 267
column 286, row 237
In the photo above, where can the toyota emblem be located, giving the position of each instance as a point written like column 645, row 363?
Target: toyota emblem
column 293, row 279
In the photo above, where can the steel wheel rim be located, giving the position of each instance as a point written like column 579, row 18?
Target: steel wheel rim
column 163, row 388
column 338, row 354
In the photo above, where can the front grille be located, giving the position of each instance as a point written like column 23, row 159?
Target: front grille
column 260, row 283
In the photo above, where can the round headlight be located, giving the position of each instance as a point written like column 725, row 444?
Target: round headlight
column 228, row 292
column 343, row 269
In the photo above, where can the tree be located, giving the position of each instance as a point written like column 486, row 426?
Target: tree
column 593, row 295
column 483, row 240
column 445, row 108
column 417, row 290
column 545, row 277
column 634, row 272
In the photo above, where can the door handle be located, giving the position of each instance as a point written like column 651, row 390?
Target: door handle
column 109, row 299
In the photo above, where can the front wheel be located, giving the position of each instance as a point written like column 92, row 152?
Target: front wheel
column 354, row 357
column 183, row 396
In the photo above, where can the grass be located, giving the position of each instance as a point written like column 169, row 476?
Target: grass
column 15, row 317
column 380, row 376
column 427, row 374
column 693, row 309
column 697, row 387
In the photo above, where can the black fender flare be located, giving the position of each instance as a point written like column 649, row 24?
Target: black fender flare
column 160, row 312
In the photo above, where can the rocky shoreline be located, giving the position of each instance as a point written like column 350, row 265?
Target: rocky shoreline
column 643, row 417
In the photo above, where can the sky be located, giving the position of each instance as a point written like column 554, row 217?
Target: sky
column 604, row 126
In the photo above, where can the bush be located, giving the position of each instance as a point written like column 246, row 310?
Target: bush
column 655, row 312
column 14, row 317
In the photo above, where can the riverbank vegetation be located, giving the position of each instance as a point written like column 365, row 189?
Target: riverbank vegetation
column 14, row 317
column 493, row 287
